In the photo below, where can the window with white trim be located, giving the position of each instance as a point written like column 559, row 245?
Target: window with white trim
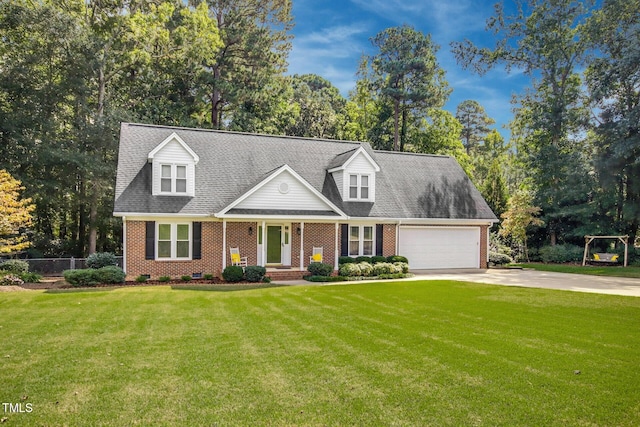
column 361, row 240
column 174, row 241
column 359, row 187
column 173, row 179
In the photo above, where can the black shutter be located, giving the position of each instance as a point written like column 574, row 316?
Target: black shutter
column 196, row 252
column 379, row 239
column 150, row 240
column 344, row 247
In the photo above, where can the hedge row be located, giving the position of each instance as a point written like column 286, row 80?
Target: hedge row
column 94, row 276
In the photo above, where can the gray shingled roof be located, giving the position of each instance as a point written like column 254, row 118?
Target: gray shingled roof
column 407, row 186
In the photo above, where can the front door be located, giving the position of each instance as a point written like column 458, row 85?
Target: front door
column 274, row 244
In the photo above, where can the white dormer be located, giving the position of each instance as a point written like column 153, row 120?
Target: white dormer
column 174, row 168
column 355, row 176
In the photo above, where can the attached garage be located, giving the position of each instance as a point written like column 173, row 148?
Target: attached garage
column 440, row 247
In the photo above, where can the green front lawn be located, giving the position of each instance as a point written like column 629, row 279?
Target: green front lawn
column 595, row 270
column 407, row 354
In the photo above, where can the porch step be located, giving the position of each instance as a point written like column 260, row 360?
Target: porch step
column 285, row 274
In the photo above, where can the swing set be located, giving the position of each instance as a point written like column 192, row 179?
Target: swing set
column 605, row 258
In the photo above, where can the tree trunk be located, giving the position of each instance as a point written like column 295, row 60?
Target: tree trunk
column 403, row 129
column 93, row 203
column 216, row 98
column 396, row 125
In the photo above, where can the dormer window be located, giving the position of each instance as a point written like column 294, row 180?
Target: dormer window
column 354, row 173
column 173, row 179
column 358, row 187
column 173, row 170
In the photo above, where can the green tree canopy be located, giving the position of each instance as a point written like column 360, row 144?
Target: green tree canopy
column 405, row 72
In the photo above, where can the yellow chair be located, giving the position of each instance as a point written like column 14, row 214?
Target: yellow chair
column 317, row 255
column 236, row 259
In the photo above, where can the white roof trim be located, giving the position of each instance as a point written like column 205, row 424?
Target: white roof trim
column 362, row 151
column 280, row 170
column 173, row 137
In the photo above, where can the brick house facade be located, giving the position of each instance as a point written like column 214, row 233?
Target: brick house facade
column 187, row 196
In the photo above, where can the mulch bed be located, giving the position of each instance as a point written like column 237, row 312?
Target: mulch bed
column 53, row 283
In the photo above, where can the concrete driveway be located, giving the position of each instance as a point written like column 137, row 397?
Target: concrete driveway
column 537, row 279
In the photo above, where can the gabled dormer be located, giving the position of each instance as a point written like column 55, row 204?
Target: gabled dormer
column 174, row 168
column 354, row 172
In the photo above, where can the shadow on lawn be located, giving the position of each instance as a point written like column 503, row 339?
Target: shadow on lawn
column 225, row 287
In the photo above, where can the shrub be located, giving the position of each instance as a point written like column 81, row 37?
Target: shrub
column 402, row 266
column 233, row 273
column 15, row 266
column 164, row 279
column 81, row 278
column 397, row 258
column 320, row 269
column 11, row 280
column 346, row 260
column 394, row 276
column 384, row 268
column 208, row 276
column 254, row 273
column 185, row 278
column 30, row 277
column 376, row 259
column 366, row 269
column 324, row 278
column 100, row 259
column 363, row 259
column 109, row 274
column 561, row 253
column 350, row 270
column 266, row 279
column 499, row 259
column 141, row 278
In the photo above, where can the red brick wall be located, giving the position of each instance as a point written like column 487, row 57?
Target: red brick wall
column 137, row 264
column 389, row 240
column 319, row 235
column 484, row 247
column 315, row 234
column 238, row 237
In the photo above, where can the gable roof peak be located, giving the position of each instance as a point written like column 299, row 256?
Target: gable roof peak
column 173, row 137
column 342, row 160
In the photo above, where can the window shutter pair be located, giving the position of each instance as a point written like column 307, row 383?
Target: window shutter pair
column 150, row 240
column 344, row 241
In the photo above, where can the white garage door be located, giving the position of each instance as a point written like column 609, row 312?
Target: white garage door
column 440, row 247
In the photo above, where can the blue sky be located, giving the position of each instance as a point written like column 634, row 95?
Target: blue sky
column 332, row 35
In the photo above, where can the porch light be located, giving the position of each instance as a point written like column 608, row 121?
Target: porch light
column 250, row 231
column 298, row 231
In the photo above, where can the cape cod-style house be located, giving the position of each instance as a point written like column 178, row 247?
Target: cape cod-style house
column 188, row 196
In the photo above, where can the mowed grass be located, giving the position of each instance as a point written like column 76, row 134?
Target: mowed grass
column 414, row 353
column 594, row 270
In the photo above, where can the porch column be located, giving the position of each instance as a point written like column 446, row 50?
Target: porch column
column 337, row 249
column 301, row 246
column 264, row 243
column 224, row 244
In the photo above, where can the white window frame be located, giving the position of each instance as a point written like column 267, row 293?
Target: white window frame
column 174, row 241
column 174, row 179
column 359, row 186
column 361, row 240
